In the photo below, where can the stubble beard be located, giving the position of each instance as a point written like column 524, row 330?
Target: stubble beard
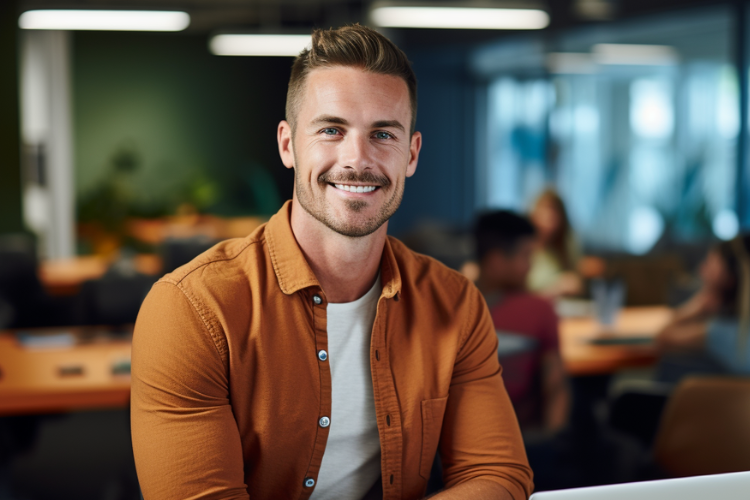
column 350, row 227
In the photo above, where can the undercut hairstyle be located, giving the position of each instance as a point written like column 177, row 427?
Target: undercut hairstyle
column 501, row 230
column 355, row 46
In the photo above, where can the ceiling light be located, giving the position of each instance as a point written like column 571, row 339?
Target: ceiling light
column 459, row 18
column 259, row 45
column 104, row 20
column 631, row 54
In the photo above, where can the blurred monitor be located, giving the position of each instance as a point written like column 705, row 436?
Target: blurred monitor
column 734, row 486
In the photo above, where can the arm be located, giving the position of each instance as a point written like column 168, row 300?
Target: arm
column 476, row 489
column 185, row 439
column 683, row 335
column 480, row 441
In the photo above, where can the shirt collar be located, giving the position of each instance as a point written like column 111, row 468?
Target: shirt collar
column 292, row 270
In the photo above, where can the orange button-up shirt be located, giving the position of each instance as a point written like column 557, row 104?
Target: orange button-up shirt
column 229, row 389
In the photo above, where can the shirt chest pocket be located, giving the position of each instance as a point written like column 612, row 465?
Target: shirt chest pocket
column 432, row 423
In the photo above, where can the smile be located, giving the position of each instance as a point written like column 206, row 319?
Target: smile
column 355, row 189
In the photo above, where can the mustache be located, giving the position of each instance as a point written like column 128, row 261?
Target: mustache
column 351, row 176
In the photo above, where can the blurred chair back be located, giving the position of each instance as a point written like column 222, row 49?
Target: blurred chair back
column 705, row 428
column 23, row 301
column 115, row 299
column 178, row 252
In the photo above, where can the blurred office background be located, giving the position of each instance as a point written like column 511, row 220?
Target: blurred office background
column 127, row 153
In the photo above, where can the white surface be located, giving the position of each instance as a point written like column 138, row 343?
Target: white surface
column 459, row 18
column 351, row 462
column 259, row 45
column 104, row 20
column 735, row 486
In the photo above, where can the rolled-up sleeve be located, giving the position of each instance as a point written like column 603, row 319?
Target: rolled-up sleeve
column 185, row 439
column 480, row 435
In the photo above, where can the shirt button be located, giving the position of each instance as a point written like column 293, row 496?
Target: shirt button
column 324, row 421
column 309, row 482
column 322, row 355
column 317, row 299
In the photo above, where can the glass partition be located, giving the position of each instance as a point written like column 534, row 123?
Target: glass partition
column 634, row 123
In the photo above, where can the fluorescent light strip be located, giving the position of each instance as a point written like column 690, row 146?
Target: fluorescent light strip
column 259, row 45
column 460, row 18
column 104, row 20
column 632, row 54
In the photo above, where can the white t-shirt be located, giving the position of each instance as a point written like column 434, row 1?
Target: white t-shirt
column 351, row 463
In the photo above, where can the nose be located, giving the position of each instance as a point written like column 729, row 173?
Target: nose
column 355, row 152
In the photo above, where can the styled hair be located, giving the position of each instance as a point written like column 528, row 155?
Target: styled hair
column 356, row 46
column 559, row 242
column 501, row 230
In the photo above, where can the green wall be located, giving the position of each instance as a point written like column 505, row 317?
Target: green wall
column 182, row 116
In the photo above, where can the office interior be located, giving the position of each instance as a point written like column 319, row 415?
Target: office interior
column 125, row 154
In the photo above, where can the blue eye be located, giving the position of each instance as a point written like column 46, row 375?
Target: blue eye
column 383, row 135
column 330, row 131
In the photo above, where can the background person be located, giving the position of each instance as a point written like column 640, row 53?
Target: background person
column 534, row 377
column 554, row 262
column 714, row 321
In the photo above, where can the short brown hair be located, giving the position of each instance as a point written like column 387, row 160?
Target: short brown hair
column 354, row 45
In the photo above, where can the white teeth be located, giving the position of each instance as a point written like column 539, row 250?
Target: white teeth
column 355, row 189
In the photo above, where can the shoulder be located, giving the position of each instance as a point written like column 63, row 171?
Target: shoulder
column 429, row 278
column 225, row 263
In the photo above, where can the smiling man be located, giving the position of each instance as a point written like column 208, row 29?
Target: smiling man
column 318, row 357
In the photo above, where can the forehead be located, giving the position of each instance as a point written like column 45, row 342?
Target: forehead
column 340, row 90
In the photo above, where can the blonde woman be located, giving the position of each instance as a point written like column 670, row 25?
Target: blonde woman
column 553, row 268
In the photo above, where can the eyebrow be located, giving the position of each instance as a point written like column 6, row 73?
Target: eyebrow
column 389, row 124
column 329, row 119
column 340, row 121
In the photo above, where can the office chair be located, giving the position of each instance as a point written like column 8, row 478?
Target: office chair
column 24, row 301
column 705, row 427
column 178, row 252
column 115, row 299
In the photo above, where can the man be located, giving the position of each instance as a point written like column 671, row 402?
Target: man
column 319, row 358
column 533, row 373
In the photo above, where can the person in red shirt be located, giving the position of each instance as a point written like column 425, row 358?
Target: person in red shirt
column 526, row 323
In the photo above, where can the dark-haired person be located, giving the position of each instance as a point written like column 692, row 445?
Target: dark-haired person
column 715, row 320
column 534, row 375
column 317, row 357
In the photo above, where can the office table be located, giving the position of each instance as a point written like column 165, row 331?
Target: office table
column 41, row 380
column 56, row 379
column 581, row 357
column 65, row 276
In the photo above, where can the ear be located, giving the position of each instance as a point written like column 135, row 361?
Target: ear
column 284, row 138
column 414, row 147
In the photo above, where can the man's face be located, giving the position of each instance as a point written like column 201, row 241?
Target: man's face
column 351, row 149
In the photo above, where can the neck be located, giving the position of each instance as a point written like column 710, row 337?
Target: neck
column 487, row 287
column 345, row 267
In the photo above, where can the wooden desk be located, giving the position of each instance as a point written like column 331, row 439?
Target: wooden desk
column 31, row 381
column 65, row 276
column 582, row 358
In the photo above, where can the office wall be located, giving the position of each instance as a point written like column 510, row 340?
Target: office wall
column 166, row 101
column 442, row 189
column 164, row 106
